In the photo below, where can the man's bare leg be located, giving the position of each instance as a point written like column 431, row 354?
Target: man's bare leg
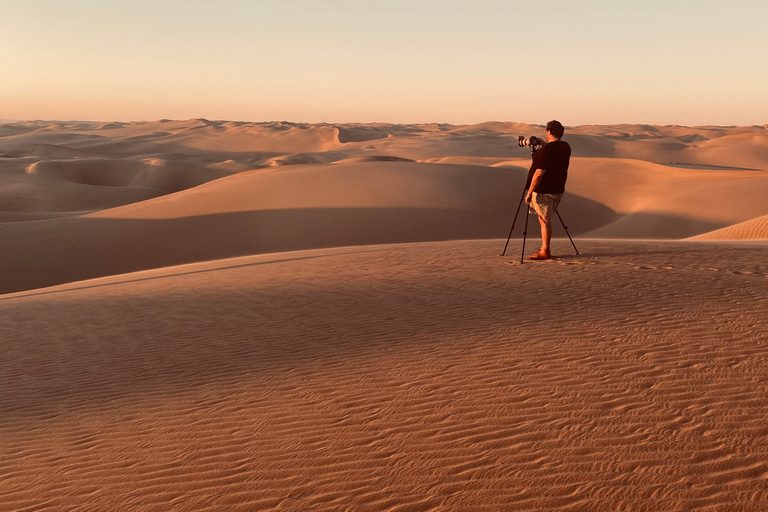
column 546, row 238
column 546, row 233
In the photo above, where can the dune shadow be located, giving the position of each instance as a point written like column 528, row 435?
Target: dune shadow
column 57, row 251
column 170, row 275
column 654, row 225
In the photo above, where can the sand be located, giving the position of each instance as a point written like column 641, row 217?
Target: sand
column 205, row 315
column 754, row 229
column 121, row 197
column 414, row 377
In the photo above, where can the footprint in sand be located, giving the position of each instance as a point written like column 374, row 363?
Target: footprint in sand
column 738, row 272
column 748, row 273
column 518, row 262
column 555, row 260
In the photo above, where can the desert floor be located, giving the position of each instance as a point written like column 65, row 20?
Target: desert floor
column 203, row 315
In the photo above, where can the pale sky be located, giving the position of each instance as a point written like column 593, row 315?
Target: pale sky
column 689, row 62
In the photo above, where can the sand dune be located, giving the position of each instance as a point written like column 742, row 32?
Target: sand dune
column 740, row 147
column 753, row 229
column 84, row 184
column 298, row 207
column 656, row 201
column 365, row 202
column 417, row 377
column 256, row 337
column 110, row 198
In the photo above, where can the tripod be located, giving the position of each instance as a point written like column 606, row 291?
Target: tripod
column 525, row 231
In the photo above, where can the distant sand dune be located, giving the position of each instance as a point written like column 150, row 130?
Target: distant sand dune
column 122, row 197
column 54, row 151
column 99, row 172
column 323, row 157
column 375, row 158
column 296, row 208
column 86, row 184
column 655, row 201
column 361, row 134
column 753, row 229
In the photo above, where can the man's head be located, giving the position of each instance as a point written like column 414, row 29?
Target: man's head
column 555, row 131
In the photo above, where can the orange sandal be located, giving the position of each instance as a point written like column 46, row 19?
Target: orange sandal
column 541, row 256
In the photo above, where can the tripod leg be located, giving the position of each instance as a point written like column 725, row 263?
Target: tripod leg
column 513, row 223
column 525, row 232
column 567, row 233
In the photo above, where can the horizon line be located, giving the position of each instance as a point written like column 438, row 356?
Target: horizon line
column 331, row 123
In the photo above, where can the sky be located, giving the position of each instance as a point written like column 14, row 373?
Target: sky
column 688, row 62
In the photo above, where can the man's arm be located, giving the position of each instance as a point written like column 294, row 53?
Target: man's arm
column 535, row 181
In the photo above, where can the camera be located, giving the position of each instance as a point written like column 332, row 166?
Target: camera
column 530, row 141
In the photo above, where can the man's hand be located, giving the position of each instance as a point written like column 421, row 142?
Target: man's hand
column 534, row 182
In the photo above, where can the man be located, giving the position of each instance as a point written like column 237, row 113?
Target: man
column 547, row 185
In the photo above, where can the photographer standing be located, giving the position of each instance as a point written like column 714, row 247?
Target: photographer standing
column 546, row 178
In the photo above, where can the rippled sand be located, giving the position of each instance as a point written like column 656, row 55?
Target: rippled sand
column 433, row 376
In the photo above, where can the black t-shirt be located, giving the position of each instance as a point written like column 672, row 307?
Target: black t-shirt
column 554, row 158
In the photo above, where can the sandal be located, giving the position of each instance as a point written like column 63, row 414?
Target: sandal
column 541, row 256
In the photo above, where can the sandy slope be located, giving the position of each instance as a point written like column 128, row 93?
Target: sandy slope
column 358, row 203
column 417, row 377
column 753, row 229
column 120, row 197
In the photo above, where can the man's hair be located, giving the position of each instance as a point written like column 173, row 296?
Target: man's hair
column 555, row 128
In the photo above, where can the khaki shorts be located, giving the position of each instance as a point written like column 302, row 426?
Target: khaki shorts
column 545, row 205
